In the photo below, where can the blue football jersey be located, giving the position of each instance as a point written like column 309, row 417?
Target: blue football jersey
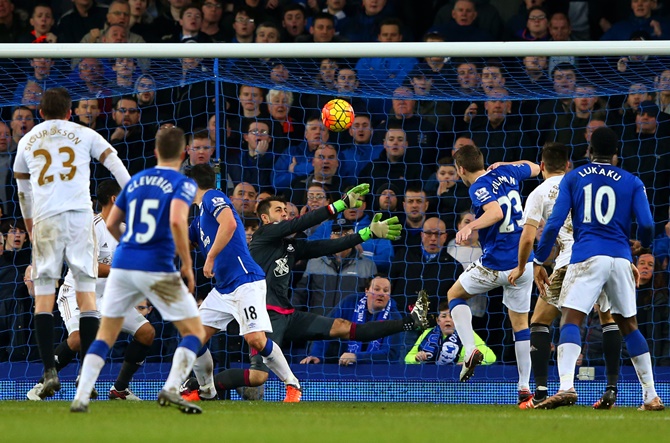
column 603, row 200
column 500, row 242
column 233, row 266
column 147, row 244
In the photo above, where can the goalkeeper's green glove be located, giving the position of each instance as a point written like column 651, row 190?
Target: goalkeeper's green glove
column 388, row 229
column 350, row 199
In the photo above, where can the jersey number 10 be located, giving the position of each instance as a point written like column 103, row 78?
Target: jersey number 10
column 589, row 206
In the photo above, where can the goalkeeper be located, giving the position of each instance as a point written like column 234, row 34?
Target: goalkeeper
column 276, row 251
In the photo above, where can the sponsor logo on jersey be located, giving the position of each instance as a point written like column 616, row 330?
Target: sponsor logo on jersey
column 482, row 194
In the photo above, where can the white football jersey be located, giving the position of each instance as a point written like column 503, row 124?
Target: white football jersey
column 540, row 205
column 57, row 155
column 106, row 246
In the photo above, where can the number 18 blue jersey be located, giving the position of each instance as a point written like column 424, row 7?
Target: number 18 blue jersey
column 500, row 242
column 147, row 244
column 603, row 199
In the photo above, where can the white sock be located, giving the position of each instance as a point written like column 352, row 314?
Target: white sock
column 522, row 351
column 462, row 316
column 204, row 372
column 90, row 371
column 568, row 353
column 278, row 364
column 645, row 374
column 182, row 363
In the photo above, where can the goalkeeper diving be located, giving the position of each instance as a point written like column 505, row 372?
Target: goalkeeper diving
column 275, row 249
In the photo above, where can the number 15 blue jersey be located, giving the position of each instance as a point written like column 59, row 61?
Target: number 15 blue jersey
column 603, row 199
column 500, row 242
column 147, row 244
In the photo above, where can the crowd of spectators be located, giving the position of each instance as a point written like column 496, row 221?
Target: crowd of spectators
column 267, row 136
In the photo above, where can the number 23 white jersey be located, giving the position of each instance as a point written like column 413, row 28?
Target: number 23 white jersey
column 106, row 246
column 57, row 155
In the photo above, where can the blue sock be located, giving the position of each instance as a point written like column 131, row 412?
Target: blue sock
column 570, row 334
column 202, row 350
column 267, row 350
column 522, row 335
column 636, row 343
column 455, row 302
column 99, row 348
column 191, row 342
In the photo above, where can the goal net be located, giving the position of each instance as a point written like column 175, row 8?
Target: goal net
column 253, row 111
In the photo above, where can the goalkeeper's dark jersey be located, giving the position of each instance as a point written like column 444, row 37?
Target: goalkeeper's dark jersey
column 277, row 254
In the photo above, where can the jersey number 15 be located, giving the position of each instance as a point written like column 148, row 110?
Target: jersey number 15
column 146, row 218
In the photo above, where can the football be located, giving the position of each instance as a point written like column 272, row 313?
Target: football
column 337, row 115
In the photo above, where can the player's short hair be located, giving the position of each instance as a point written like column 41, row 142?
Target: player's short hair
column 106, row 190
column 55, row 103
column 264, row 205
column 203, row 175
column 555, row 156
column 170, row 143
column 604, row 142
column 470, row 158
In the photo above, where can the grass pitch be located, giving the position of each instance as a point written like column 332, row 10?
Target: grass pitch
column 237, row 421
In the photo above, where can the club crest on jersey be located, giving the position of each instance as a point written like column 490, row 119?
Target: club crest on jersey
column 290, row 249
column 281, row 267
column 218, row 201
column 482, row 194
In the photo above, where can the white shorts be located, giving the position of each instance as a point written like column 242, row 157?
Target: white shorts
column 555, row 294
column 67, row 236
column 585, row 281
column 69, row 311
column 478, row 279
column 126, row 288
column 246, row 304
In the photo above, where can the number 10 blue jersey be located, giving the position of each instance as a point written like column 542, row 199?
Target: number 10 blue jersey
column 500, row 242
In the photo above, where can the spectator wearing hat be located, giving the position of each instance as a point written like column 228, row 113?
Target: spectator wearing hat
column 388, row 199
column 329, row 279
column 461, row 26
column 646, row 153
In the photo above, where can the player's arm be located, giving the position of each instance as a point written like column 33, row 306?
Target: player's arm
column 179, row 227
column 114, row 222
column 525, row 249
column 113, row 163
column 534, row 168
column 25, row 189
column 319, row 248
column 224, row 233
column 492, row 214
column 645, row 221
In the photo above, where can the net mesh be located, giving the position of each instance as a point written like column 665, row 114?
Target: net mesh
column 508, row 107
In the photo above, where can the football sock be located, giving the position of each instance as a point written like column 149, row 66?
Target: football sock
column 568, row 352
column 462, row 316
column 522, row 351
column 639, row 355
column 540, row 351
column 64, row 355
column 612, row 352
column 182, row 362
column 204, row 372
column 89, row 321
column 231, row 379
column 275, row 360
column 44, row 330
column 90, row 370
column 136, row 352
column 376, row 329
